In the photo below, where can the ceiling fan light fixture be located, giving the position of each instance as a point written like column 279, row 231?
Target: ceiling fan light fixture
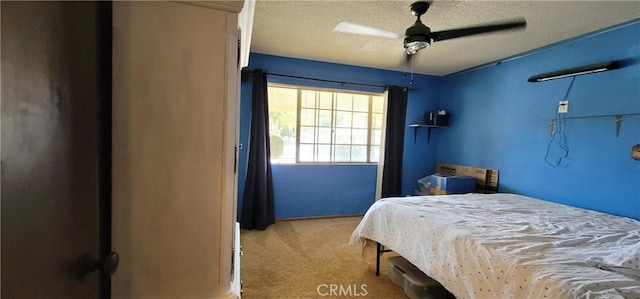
column 415, row 46
column 418, row 36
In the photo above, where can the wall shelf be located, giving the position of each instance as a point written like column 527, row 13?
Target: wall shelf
column 429, row 127
column 618, row 120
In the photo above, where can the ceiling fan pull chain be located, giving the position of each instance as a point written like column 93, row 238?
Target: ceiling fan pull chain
column 411, row 81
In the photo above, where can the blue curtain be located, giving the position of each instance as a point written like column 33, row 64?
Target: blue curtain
column 394, row 141
column 257, row 204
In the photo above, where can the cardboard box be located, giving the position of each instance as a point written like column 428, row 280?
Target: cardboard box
column 480, row 174
column 491, row 185
column 486, row 179
column 452, row 184
column 493, row 179
column 448, row 169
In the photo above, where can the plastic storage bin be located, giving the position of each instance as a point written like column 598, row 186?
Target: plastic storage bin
column 416, row 284
column 397, row 268
column 423, row 287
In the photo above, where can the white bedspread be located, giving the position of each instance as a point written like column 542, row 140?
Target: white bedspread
column 509, row 246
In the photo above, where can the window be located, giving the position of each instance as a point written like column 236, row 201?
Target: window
column 309, row 125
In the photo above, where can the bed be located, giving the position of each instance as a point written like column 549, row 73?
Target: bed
column 508, row 246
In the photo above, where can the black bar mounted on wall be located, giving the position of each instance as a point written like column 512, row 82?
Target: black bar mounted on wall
column 245, row 77
column 583, row 70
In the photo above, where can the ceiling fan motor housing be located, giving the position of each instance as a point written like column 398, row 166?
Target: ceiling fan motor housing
column 417, row 37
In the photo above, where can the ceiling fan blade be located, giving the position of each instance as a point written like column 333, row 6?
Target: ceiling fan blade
column 455, row 33
column 353, row 28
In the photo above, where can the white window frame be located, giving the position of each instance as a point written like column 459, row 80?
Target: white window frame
column 369, row 159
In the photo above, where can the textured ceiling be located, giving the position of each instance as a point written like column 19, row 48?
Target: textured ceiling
column 304, row 29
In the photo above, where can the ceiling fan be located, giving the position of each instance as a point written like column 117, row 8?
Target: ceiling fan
column 419, row 36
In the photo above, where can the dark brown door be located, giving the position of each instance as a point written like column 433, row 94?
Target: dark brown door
column 55, row 149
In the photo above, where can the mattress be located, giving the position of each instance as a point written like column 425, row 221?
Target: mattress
column 509, row 246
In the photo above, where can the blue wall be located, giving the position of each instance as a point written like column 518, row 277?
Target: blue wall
column 325, row 190
column 502, row 121
column 499, row 120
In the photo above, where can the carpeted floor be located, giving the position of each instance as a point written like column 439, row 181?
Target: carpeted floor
column 310, row 259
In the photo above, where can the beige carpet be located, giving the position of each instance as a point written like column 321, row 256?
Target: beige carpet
column 306, row 259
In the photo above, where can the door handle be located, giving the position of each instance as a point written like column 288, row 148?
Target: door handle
column 88, row 264
column 110, row 263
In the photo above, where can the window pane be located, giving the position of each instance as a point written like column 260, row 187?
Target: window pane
column 359, row 153
column 324, row 118
column 361, row 103
column 375, row 154
column 308, row 99
column 307, row 134
column 360, row 120
column 289, row 152
column 324, row 153
column 343, row 153
column 282, row 111
column 306, row 152
column 359, row 136
column 326, row 100
column 278, row 93
column 343, row 119
column 330, row 125
column 324, row 135
column 343, row 136
column 282, row 123
column 344, row 102
column 307, row 117
column 375, row 137
column 376, row 121
column 277, row 146
column 377, row 104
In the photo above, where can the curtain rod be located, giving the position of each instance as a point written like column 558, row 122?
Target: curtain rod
column 330, row 81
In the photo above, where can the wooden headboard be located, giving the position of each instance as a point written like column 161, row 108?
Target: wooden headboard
column 486, row 179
